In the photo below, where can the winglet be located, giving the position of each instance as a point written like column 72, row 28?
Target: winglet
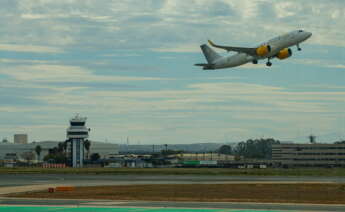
column 211, row 43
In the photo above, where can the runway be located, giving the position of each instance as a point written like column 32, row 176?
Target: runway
column 8, row 181
column 159, row 206
column 89, row 180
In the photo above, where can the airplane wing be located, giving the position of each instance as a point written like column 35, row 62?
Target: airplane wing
column 249, row 51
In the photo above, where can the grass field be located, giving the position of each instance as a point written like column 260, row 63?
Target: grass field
column 182, row 171
column 272, row 193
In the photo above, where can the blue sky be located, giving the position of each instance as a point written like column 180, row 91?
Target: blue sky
column 128, row 67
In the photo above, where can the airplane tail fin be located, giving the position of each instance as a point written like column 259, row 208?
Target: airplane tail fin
column 210, row 55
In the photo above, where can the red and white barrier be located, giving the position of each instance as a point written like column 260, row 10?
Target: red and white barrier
column 53, row 165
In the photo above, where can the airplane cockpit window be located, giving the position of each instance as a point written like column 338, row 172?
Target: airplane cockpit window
column 300, row 30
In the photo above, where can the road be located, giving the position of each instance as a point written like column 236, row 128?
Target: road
column 89, row 180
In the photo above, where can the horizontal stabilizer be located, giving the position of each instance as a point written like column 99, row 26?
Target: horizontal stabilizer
column 205, row 66
column 201, row 64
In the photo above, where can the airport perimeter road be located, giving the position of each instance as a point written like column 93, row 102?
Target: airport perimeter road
column 29, row 205
column 89, row 180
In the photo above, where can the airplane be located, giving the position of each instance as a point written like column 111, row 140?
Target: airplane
column 277, row 47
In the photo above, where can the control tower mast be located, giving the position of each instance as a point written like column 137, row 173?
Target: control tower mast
column 77, row 133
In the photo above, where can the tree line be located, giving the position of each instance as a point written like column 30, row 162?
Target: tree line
column 58, row 154
column 251, row 149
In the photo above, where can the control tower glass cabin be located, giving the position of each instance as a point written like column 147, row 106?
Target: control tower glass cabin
column 77, row 133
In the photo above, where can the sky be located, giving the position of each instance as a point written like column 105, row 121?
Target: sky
column 127, row 65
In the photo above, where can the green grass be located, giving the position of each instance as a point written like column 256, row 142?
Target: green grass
column 182, row 171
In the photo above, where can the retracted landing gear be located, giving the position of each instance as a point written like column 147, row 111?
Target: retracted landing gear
column 299, row 48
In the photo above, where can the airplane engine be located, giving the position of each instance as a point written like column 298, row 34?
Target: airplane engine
column 263, row 50
column 285, row 53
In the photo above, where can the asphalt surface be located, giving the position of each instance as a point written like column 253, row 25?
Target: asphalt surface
column 198, row 205
column 12, row 180
column 89, row 180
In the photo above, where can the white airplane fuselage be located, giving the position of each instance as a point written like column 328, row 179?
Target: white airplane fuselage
column 277, row 44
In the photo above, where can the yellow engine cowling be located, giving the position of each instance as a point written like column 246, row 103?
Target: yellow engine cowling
column 285, row 53
column 263, row 50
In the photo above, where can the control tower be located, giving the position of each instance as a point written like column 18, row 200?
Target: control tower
column 77, row 133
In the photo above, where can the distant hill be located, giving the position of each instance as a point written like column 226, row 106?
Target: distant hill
column 197, row 147
column 148, row 148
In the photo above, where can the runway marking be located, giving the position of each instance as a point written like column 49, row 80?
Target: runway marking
column 107, row 209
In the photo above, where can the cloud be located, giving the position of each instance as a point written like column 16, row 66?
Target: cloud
column 186, row 48
column 337, row 66
column 326, row 63
column 204, row 97
column 101, row 58
column 30, row 48
column 64, row 73
column 173, row 24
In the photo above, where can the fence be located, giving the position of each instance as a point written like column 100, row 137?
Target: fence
column 53, row 165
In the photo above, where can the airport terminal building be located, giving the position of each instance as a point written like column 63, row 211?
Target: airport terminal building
column 313, row 155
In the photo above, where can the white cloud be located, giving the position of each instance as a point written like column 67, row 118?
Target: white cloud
column 180, row 48
column 173, row 25
column 30, row 48
column 64, row 73
column 319, row 62
column 338, row 66
column 205, row 97
column 205, row 109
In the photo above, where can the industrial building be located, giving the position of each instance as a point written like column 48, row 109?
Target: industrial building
column 319, row 155
column 205, row 156
column 20, row 138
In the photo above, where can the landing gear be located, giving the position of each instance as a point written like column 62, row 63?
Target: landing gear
column 255, row 61
column 299, row 48
column 269, row 63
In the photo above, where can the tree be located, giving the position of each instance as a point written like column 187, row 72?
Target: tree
column 312, row 139
column 256, row 148
column 87, row 145
column 240, row 149
column 62, row 146
column 56, row 158
column 95, row 157
column 38, row 150
column 225, row 149
column 57, row 154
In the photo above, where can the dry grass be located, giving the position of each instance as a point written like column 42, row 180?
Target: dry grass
column 287, row 193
